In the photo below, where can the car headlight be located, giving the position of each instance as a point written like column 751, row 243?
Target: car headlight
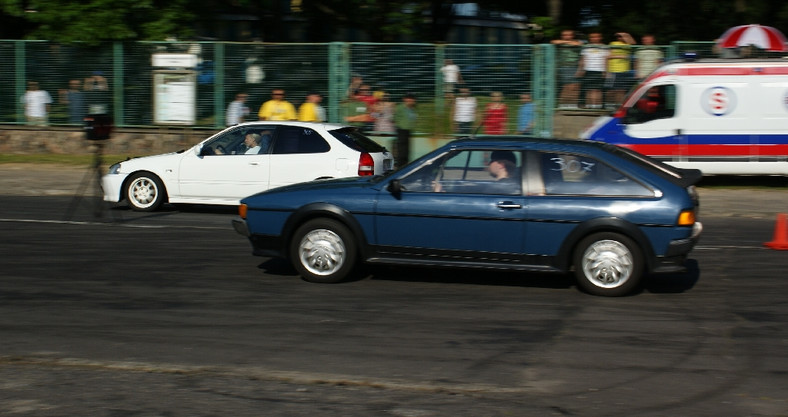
column 114, row 168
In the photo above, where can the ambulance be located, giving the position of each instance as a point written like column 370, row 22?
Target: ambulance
column 722, row 117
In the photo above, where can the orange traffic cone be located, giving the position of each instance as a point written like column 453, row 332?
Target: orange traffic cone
column 780, row 241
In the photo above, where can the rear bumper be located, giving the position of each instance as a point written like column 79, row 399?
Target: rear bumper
column 677, row 252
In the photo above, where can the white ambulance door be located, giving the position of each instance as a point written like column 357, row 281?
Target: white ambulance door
column 653, row 115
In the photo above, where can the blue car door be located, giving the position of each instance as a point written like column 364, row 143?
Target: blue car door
column 453, row 208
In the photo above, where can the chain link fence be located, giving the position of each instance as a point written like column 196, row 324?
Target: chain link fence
column 144, row 84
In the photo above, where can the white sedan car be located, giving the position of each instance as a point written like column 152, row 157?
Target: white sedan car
column 243, row 160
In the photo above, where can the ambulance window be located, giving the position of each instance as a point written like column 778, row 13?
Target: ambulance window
column 658, row 102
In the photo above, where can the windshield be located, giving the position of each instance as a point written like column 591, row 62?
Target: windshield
column 353, row 139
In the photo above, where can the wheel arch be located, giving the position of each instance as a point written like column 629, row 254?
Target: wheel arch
column 605, row 224
column 322, row 210
column 148, row 172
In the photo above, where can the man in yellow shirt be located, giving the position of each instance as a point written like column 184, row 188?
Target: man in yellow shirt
column 311, row 110
column 618, row 68
column 277, row 108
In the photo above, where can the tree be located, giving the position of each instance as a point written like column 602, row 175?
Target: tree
column 96, row 21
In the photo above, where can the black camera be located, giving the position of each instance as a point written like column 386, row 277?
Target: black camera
column 98, row 126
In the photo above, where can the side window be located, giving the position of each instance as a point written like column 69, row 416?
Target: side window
column 568, row 174
column 658, row 102
column 294, row 139
column 224, row 144
column 496, row 172
column 241, row 141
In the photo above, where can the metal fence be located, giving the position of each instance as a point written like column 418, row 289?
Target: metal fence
column 194, row 87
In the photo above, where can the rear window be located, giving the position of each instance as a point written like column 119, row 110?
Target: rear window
column 353, row 139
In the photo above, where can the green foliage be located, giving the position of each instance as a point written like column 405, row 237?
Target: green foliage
column 96, row 21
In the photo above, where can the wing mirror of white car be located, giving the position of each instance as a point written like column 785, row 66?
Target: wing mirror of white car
column 198, row 150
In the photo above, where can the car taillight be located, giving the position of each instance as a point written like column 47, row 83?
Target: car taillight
column 366, row 165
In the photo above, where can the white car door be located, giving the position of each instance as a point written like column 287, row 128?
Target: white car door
column 221, row 170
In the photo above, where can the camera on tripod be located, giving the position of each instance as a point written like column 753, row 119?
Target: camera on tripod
column 98, row 127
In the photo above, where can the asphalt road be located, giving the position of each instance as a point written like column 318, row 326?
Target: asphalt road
column 168, row 314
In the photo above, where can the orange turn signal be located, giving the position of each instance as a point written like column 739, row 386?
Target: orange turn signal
column 242, row 210
column 686, row 218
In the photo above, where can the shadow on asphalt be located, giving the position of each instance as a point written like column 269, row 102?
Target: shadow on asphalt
column 656, row 284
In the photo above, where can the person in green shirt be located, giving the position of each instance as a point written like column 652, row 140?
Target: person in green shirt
column 405, row 121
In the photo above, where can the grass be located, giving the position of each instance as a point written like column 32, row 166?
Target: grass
column 57, row 159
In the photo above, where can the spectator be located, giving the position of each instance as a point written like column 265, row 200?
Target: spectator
column 568, row 53
column 618, row 67
column 311, row 110
column 277, row 108
column 97, row 92
column 648, row 57
column 354, row 112
column 451, row 76
column 525, row 115
column 464, row 112
column 591, row 70
column 405, row 121
column 495, row 115
column 37, row 104
column 383, row 113
column 74, row 98
column 355, row 84
column 237, row 110
column 364, row 95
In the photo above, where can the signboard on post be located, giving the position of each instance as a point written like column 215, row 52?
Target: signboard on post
column 174, row 97
column 174, row 89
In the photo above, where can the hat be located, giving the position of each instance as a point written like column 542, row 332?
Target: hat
column 503, row 156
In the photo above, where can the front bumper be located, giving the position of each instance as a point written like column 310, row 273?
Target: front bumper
column 112, row 184
column 261, row 245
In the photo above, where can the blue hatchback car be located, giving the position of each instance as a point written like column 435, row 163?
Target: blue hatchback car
column 608, row 214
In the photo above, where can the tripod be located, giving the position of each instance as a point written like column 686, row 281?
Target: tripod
column 92, row 176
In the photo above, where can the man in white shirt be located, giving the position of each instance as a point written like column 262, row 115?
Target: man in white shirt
column 464, row 112
column 36, row 104
column 237, row 110
column 451, row 76
column 592, row 68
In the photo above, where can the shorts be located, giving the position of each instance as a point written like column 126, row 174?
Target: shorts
column 593, row 80
column 566, row 75
column 619, row 81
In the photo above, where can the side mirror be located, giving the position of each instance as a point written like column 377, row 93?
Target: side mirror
column 198, row 150
column 395, row 188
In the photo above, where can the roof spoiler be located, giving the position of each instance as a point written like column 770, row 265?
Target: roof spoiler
column 689, row 176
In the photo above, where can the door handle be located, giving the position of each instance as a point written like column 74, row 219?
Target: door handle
column 253, row 163
column 508, row 205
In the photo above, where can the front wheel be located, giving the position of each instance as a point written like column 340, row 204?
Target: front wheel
column 608, row 264
column 145, row 192
column 323, row 251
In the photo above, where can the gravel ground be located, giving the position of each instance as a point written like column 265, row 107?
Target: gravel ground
column 718, row 200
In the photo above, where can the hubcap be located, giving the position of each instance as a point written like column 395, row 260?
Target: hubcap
column 608, row 263
column 143, row 191
column 322, row 252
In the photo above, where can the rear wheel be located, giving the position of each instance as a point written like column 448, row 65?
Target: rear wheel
column 323, row 250
column 145, row 192
column 608, row 264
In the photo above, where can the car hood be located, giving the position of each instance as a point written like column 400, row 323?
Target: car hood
column 146, row 161
column 312, row 189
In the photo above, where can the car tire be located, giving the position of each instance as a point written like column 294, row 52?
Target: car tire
column 608, row 264
column 145, row 192
column 323, row 251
